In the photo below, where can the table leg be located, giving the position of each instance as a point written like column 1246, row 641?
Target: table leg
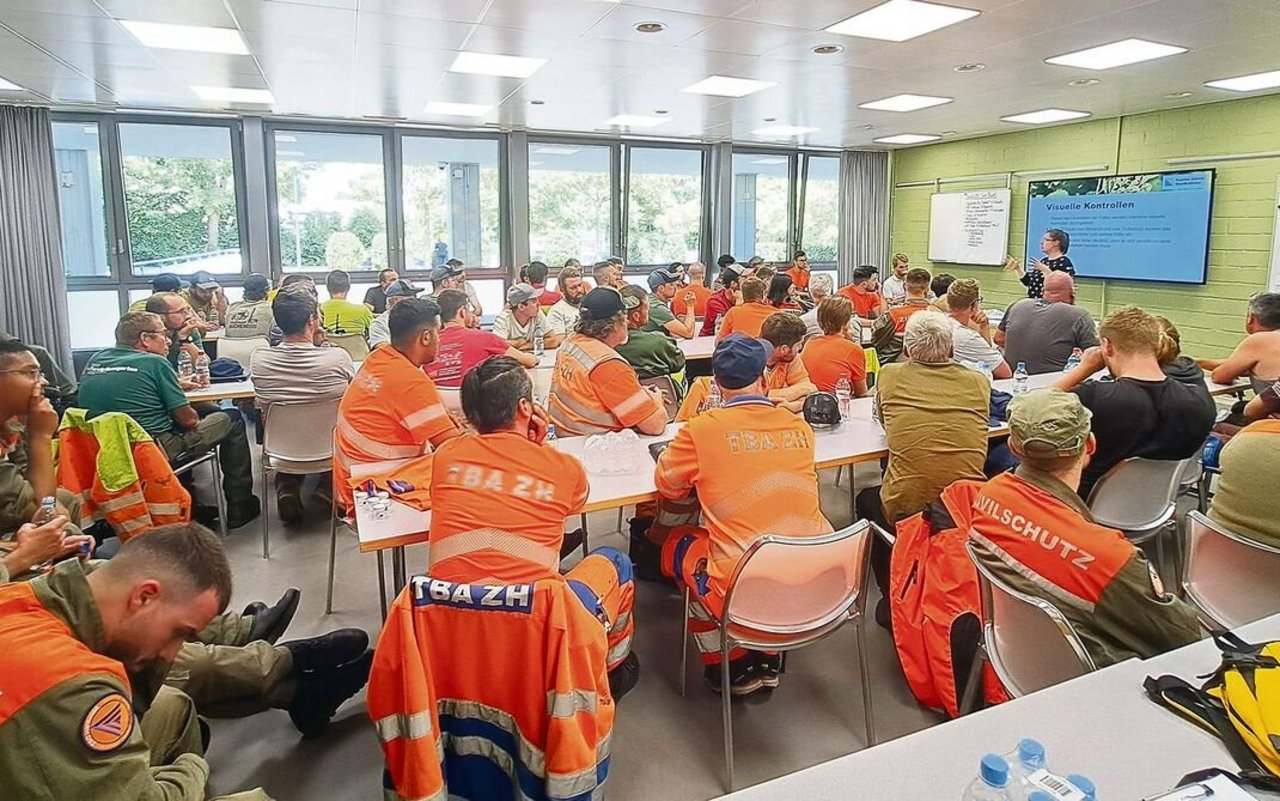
column 853, row 494
column 398, row 577
column 382, row 585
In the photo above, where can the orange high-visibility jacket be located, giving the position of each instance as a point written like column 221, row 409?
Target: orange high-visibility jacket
column 482, row 692
column 121, row 474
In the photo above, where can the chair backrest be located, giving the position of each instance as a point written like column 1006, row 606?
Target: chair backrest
column 241, row 349
column 792, row 585
column 669, row 395
column 1231, row 579
column 1030, row 644
column 300, row 431
column 1192, row 470
column 354, row 344
column 1137, row 494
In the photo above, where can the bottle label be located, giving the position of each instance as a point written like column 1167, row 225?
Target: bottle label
column 1056, row 786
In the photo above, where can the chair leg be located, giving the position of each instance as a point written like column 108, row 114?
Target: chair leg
column 1202, row 492
column 266, row 512
column 867, row 709
column 621, row 509
column 585, row 535
column 333, row 550
column 684, row 644
column 839, row 472
column 974, row 681
column 219, row 498
column 726, row 708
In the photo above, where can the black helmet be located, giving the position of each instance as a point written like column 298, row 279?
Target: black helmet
column 822, row 410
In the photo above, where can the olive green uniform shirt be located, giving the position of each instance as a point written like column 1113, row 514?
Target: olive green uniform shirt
column 1246, row 500
column 142, row 385
column 651, row 353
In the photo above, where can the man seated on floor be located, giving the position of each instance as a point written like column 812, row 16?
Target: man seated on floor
column 392, row 411
column 786, row 381
column 339, row 315
column 748, row 317
column 863, row 294
column 1031, row 528
column 463, row 345
column 1042, row 332
column 820, row 287
column 509, row 527
column 1258, row 355
column 207, row 301
column 523, row 324
column 562, row 317
column 650, row 353
column 84, row 649
column 750, row 467
column 182, row 328
column 1142, row 412
column 834, row 356
column 133, row 377
column 971, row 331
column 251, row 317
column 664, row 285
column 727, row 297
column 297, row 371
column 593, row 389
column 380, row 327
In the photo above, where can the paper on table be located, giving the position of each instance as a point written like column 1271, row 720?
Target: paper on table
column 1219, row 788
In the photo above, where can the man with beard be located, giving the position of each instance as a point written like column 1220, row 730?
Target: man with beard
column 562, row 317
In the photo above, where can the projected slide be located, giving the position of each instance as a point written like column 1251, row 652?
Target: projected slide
column 1148, row 227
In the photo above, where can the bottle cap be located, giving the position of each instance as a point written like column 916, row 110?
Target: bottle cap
column 1084, row 785
column 995, row 770
column 1022, row 365
column 1031, row 752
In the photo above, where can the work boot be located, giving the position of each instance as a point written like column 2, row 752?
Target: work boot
column 572, row 541
column 328, row 650
column 769, row 666
column 243, row 512
column 319, row 694
column 205, row 515
column 289, row 505
column 625, row 676
column 269, row 623
column 744, row 678
column 646, row 556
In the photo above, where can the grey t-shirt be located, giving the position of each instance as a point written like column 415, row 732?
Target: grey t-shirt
column 300, row 372
column 1042, row 334
column 509, row 329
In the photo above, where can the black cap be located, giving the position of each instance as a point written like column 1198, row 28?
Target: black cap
column 257, row 283
column 166, row 282
column 602, row 303
column 401, row 288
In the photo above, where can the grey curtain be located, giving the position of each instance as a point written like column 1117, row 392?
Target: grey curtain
column 33, row 292
column 864, row 211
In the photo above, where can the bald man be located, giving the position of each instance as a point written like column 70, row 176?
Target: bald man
column 1042, row 332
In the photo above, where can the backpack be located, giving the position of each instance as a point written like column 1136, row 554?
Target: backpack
column 934, row 602
column 886, row 340
column 1239, row 703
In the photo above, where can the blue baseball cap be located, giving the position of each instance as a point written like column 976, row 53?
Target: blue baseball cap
column 663, row 275
column 739, row 360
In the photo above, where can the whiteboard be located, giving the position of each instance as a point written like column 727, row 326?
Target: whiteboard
column 969, row 227
column 1273, row 281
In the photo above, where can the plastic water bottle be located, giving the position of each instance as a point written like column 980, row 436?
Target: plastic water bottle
column 186, row 367
column 993, row 776
column 214, row 318
column 1073, row 361
column 1020, row 386
column 1084, row 785
column 47, row 511
column 539, row 344
column 1025, row 760
column 714, row 399
column 551, row 432
column 202, row 370
column 1039, row 795
column 844, row 394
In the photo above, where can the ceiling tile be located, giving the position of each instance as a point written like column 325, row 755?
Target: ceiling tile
column 293, row 19
column 173, row 12
column 621, row 25
column 454, row 10
column 745, row 38
column 570, row 17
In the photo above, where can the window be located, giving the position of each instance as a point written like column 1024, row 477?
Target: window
column 820, row 233
column 331, row 201
column 761, row 206
column 451, row 202
column 81, row 200
column 570, row 203
column 93, row 318
column 180, row 198
column 664, row 206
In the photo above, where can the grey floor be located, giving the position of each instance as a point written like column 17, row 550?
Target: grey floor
column 664, row 746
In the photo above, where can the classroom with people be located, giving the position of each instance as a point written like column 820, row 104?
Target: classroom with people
column 568, row 400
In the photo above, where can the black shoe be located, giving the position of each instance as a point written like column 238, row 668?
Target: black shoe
column 769, row 667
column 624, row 677
column 572, row 541
column 243, row 512
column 255, row 608
column 270, row 622
column 884, row 618
column 744, row 679
column 289, row 507
column 206, row 516
column 646, row 557
column 319, row 694
column 205, row 735
column 328, row 650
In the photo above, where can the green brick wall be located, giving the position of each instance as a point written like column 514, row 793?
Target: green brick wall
column 1210, row 317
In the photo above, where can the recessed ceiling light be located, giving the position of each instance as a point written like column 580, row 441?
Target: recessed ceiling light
column 1046, row 115
column 900, row 20
column 1084, row 82
column 827, row 49
column 972, row 66
column 187, row 37
column 7, row 86
column 724, row 86
column 907, row 139
column 905, row 103
column 1248, row 83
column 1178, row 95
column 783, row 130
column 496, row 65
column 770, row 160
column 232, row 94
column 1116, row 54
column 456, row 109
column 650, row 27
column 633, row 121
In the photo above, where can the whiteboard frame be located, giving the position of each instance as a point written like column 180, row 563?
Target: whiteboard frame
column 1008, row 214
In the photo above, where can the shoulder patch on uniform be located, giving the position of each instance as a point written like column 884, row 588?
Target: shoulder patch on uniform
column 108, row 724
column 1156, row 584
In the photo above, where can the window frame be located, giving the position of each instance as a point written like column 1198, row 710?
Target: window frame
column 806, row 158
column 704, row 232
column 793, row 205
column 615, row 188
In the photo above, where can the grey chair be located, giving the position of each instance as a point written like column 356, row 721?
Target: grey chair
column 293, row 443
column 1230, row 579
column 210, row 457
column 241, row 349
column 1029, row 643
column 354, row 344
column 1195, row 479
column 764, row 613
column 1139, row 497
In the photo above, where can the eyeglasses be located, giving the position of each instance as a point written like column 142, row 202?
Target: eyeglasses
column 33, row 373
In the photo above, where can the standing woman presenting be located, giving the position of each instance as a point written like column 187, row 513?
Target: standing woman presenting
column 1054, row 244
